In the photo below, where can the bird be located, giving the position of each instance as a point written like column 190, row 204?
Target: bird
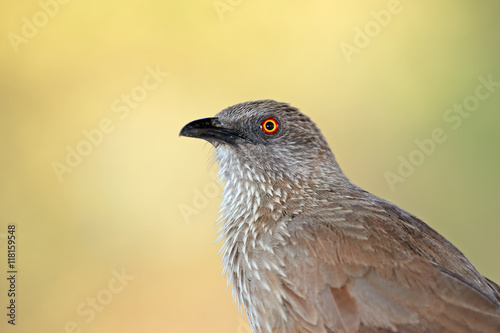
column 306, row 250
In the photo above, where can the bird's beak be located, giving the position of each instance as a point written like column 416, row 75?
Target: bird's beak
column 212, row 130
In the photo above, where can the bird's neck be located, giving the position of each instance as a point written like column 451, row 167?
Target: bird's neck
column 251, row 195
column 256, row 209
column 252, row 224
column 258, row 197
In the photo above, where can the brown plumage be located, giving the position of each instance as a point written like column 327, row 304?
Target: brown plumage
column 308, row 251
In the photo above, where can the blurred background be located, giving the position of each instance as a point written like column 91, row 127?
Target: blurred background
column 115, row 213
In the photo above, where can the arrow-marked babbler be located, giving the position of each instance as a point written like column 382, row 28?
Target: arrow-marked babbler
column 308, row 251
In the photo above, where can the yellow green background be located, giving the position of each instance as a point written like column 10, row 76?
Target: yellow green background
column 120, row 208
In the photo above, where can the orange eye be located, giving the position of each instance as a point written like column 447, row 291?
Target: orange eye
column 269, row 126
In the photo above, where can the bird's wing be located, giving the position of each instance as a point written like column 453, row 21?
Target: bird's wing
column 339, row 280
column 494, row 286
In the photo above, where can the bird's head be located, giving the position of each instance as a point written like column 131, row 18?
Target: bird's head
column 270, row 143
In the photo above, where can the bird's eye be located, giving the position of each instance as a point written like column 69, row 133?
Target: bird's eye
column 270, row 126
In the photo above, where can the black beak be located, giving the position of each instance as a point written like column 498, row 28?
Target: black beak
column 212, row 130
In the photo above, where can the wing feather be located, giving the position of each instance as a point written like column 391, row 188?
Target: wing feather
column 375, row 284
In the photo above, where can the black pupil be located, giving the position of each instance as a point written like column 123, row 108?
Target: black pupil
column 269, row 125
